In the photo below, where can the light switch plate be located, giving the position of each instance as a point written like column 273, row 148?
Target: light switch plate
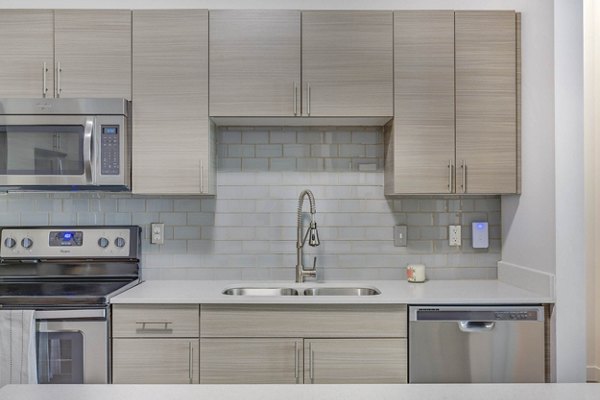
column 400, row 235
column 480, row 235
column 454, row 235
column 157, row 233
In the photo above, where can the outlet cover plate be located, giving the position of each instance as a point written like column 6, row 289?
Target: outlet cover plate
column 157, row 233
column 454, row 235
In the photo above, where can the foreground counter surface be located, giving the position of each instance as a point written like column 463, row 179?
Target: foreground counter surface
column 580, row 391
column 392, row 292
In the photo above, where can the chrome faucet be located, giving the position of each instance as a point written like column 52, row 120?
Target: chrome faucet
column 311, row 234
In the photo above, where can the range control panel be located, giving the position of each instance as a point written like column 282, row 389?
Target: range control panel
column 110, row 149
column 70, row 242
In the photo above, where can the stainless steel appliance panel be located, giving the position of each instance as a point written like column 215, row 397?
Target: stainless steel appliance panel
column 72, row 346
column 476, row 345
column 54, row 146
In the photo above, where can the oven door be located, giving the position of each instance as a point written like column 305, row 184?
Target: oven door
column 50, row 151
column 72, row 346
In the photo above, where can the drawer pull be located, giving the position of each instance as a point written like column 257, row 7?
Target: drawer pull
column 152, row 327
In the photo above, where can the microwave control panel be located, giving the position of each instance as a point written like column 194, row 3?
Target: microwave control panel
column 109, row 141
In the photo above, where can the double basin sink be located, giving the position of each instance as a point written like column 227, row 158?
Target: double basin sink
column 311, row 291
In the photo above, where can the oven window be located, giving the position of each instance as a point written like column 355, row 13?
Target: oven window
column 60, row 357
column 41, row 150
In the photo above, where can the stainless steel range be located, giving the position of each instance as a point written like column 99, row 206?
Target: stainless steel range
column 68, row 275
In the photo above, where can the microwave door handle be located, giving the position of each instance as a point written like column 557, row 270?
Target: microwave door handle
column 88, row 147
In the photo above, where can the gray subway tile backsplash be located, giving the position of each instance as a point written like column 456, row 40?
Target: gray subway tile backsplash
column 249, row 230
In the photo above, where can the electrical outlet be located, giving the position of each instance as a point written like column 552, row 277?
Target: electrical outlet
column 454, row 235
column 157, row 233
column 400, row 235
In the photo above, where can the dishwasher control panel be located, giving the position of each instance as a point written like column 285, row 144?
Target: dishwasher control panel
column 516, row 316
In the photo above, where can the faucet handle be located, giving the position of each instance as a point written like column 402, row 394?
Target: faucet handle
column 314, row 267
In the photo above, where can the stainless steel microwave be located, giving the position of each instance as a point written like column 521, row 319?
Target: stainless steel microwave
column 65, row 144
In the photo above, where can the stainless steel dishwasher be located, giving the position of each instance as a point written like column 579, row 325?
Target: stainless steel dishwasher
column 464, row 344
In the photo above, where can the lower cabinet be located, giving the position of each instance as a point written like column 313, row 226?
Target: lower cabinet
column 355, row 361
column 155, row 361
column 251, row 360
column 259, row 344
column 278, row 343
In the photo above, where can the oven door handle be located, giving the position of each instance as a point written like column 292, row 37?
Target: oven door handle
column 88, row 151
column 69, row 314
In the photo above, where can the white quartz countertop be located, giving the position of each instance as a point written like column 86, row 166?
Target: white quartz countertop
column 392, row 292
column 579, row 391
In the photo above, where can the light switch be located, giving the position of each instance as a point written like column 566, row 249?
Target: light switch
column 400, row 235
column 157, row 234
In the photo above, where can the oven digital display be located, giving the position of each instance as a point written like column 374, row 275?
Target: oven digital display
column 65, row 238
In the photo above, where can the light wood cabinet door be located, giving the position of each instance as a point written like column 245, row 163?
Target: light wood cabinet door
column 173, row 150
column 93, row 50
column 355, row 361
column 162, row 361
column 26, row 43
column 302, row 320
column 423, row 128
column 486, row 103
column 254, row 62
column 347, row 63
column 243, row 360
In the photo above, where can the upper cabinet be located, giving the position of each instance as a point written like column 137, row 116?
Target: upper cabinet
column 27, row 53
column 347, row 63
column 289, row 63
column 455, row 120
column 65, row 53
column 486, row 102
column 92, row 50
column 423, row 129
column 254, row 63
column 173, row 143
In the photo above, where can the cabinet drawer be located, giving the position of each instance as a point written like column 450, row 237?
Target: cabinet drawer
column 303, row 321
column 155, row 321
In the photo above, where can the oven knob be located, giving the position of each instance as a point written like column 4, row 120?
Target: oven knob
column 10, row 242
column 103, row 242
column 119, row 242
column 27, row 243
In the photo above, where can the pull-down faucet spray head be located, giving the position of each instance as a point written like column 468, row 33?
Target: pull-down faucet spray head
column 313, row 234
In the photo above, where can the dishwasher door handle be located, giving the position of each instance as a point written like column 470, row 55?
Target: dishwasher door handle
column 475, row 326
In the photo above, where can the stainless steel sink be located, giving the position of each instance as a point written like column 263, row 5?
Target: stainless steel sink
column 341, row 291
column 247, row 291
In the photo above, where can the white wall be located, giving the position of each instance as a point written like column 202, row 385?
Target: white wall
column 549, row 200
column 592, row 182
column 570, row 235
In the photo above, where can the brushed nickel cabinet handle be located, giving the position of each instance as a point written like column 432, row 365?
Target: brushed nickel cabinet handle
column 450, row 176
column 295, row 99
column 308, row 98
column 190, row 361
column 464, row 176
column 164, row 329
column 44, row 80
column 201, row 176
column 311, row 363
column 58, row 73
column 296, row 373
